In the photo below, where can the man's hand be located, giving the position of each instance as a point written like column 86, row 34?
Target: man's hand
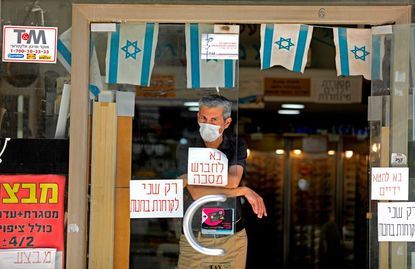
column 256, row 201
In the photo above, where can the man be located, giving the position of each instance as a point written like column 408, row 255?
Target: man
column 214, row 118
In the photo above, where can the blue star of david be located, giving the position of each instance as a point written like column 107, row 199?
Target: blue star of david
column 134, row 47
column 360, row 53
column 284, row 43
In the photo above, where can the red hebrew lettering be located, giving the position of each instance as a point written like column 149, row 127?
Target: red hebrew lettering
column 194, row 167
column 215, row 156
column 211, row 179
column 219, row 180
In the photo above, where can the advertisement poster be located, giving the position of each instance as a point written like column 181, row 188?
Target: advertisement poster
column 29, row 44
column 218, row 221
column 32, row 212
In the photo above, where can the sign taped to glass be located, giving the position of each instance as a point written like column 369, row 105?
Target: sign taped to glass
column 207, row 166
column 32, row 212
column 29, row 44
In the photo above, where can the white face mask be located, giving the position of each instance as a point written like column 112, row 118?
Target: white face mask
column 209, row 132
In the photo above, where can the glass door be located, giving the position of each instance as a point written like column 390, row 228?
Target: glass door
column 166, row 123
column 391, row 120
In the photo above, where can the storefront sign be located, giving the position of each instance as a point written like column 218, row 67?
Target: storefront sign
column 208, row 167
column 160, row 86
column 29, row 44
column 219, row 47
column 341, row 90
column 23, row 258
column 156, row 198
column 287, row 87
column 314, row 144
column 396, row 222
column 389, row 183
column 32, row 212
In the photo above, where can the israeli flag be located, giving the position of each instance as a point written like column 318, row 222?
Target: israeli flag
column 353, row 51
column 65, row 56
column 378, row 49
column 64, row 49
column 286, row 45
column 95, row 79
column 205, row 73
column 130, row 53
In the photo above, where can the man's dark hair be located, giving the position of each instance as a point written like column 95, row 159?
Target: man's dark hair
column 216, row 100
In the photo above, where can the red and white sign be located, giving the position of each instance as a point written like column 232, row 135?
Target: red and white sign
column 161, row 198
column 389, row 183
column 207, row 166
column 29, row 44
column 32, row 212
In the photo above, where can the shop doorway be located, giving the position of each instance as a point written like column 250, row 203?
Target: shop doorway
column 84, row 13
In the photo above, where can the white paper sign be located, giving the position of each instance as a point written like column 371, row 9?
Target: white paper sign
column 389, row 183
column 220, row 46
column 396, row 222
column 23, row 258
column 162, row 198
column 207, row 166
column 29, row 44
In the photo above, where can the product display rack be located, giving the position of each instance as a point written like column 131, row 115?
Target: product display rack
column 264, row 174
column 310, row 197
column 313, row 189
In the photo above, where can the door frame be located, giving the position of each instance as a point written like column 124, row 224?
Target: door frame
column 84, row 14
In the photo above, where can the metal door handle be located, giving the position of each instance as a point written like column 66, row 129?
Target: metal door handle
column 187, row 224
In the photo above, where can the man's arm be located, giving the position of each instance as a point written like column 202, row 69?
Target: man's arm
column 230, row 190
column 256, row 201
column 234, row 178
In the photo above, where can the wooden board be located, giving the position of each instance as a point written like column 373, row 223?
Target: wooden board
column 101, row 235
column 122, row 193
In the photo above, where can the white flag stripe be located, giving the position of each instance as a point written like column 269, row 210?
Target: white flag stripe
column 205, row 73
column 378, row 49
column 353, row 51
column 64, row 49
column 95, row 80
column 65, row 58
column 130, row 53
column 286, row 45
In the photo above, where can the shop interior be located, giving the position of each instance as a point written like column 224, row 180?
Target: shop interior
column 311, row 168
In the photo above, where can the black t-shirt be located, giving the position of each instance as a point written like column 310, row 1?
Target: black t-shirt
column 235, row 150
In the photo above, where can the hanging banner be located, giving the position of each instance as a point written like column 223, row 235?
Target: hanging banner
column 29, row 44
column 32, row 212
column 130, row 53
column 353, row 51
column 205, row 73
column 286, row 45
column 207, row 166
column 156, row 198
